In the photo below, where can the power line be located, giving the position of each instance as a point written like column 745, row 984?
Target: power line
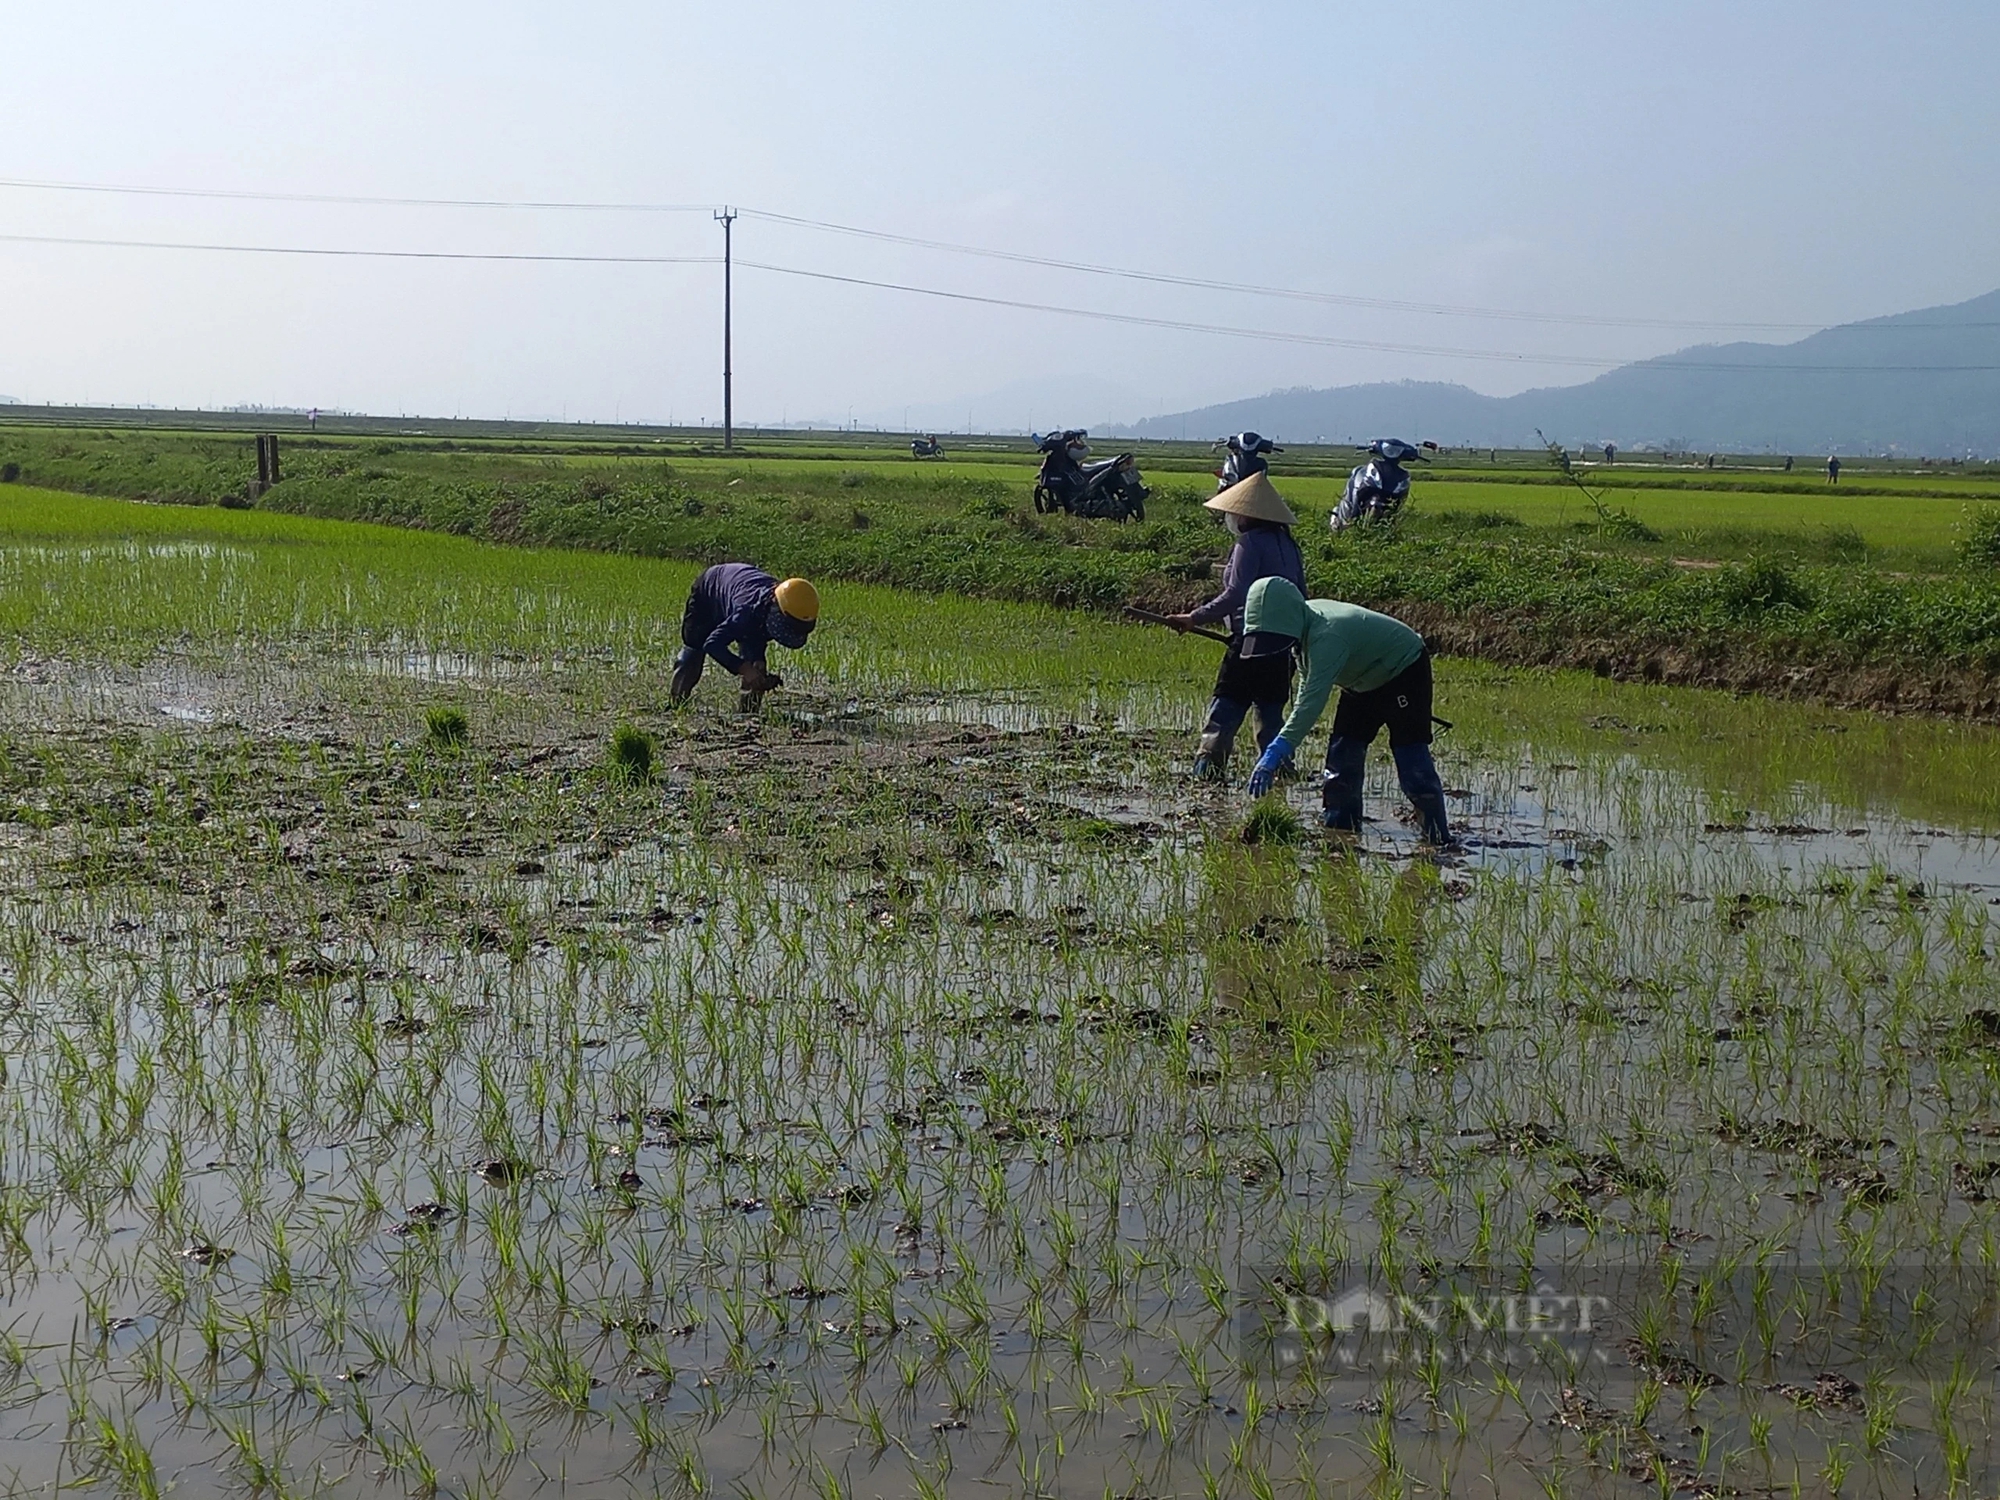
column 1178, row 324
column 1331, row 341
column 1159, row 278
column 351, row 199
column 1333, row 299
column 323, row 250
column 1096, row 314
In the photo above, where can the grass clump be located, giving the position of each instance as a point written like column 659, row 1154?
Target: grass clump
column 1763, row 583
column 1843, row 543
column 1476, row 520
column 1272, row 821
column 632, row 754
column 445, row 728
column 1616, row 521
column 1979, row 537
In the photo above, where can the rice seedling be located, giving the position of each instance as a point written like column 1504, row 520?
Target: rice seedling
column 632, row 753
column 969, row 1066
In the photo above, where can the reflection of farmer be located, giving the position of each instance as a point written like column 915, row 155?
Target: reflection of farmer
column 1833, row 468
column 734, row 611
column 1383, row 672
column 1261, row 522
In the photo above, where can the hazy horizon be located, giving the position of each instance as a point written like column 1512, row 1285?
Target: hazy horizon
column 1801, row 165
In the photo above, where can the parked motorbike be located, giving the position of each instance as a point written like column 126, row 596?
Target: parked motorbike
column 1110, row 489
column 1377, row 489
column 1247, row 453
column 926, row 447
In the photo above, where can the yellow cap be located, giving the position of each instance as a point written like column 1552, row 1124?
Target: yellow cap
column 799, row 599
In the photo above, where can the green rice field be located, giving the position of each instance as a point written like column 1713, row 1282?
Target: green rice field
column 1915, row 517
column 429, row 1066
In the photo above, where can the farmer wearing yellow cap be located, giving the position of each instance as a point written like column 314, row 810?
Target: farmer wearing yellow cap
column 734, row 612
column 1262, row 523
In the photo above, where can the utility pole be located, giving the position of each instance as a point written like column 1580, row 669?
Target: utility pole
column 726, row 218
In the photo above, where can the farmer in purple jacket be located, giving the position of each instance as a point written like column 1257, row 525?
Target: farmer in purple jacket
column 1262, row 523
column 734, row 611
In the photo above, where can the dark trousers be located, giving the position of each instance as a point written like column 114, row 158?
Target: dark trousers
column 1403, row 706
column 1263, row 683
column 700, row 618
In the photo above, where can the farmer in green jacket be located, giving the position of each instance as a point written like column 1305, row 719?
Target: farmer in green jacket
column 1383, row 672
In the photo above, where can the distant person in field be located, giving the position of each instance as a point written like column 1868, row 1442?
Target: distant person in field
column 1833, row 468
column 1611, row 453
column 1261, row 523
column 1788, row 463
column 734, row 612
column 1383, row 671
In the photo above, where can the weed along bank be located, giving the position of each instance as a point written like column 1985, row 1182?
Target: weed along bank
column 437, row 1062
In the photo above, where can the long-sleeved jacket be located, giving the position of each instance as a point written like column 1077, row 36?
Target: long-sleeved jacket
column 743, row 599
column 1343, row 645
column 1261, row 552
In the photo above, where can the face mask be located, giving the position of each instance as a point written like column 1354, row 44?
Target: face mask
column 1234, row 523
column 783, row 629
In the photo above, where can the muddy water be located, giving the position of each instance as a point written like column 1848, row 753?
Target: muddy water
column 986, row 1097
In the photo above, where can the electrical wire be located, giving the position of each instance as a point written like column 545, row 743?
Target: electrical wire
column 1088, row 268
column 1181, row 325
column 360, row 199
column 1269, row 335
column 587, row 260
column 1333, row 299
column 1331, row 341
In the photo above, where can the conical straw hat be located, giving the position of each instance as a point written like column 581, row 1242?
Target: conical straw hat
column 1255, row 499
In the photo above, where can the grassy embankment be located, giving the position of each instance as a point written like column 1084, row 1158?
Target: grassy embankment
column 1741, row 578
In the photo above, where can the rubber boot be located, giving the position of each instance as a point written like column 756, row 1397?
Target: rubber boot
column 687, row 672
column 1418, row 773
column 1218, row 738
column 1340, row 793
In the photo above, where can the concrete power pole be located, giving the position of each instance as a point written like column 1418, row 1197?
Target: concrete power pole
column 726, row 218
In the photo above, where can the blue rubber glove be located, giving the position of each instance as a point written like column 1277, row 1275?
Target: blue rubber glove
column 1268, row 764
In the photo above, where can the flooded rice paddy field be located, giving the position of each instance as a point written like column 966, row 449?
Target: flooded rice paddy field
column 902, row 1093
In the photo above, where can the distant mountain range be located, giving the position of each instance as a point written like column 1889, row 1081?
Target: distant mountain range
column 1023, row 406
column 1925, row 382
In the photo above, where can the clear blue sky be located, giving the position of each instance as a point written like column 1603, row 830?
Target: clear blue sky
column 1778, row 162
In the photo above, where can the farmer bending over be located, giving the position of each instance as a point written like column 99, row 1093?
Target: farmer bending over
column 1262, row 523
column 1383, row 672
column 734, row 612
